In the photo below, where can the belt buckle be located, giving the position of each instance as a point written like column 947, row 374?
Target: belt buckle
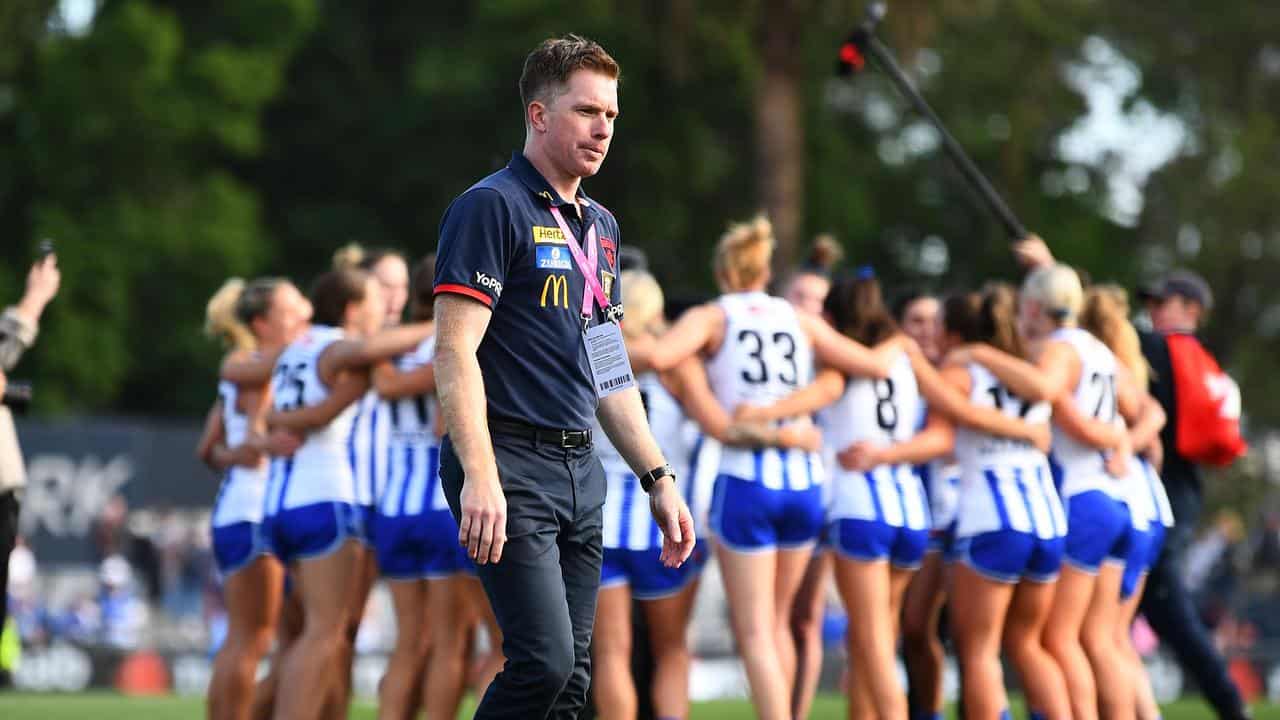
column 574, row 438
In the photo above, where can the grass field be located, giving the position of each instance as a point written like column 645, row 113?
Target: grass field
column 106, row 706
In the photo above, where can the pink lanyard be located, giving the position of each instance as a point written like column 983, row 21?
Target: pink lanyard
column 587, row 264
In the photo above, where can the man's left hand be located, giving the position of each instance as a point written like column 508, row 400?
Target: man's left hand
column 674, row 519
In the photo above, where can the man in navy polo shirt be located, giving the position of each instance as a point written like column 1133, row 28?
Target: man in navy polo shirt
column 527, row 351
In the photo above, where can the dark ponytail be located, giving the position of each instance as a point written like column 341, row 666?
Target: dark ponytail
column 856, row 308
column 1000, row 318
column 962, row 316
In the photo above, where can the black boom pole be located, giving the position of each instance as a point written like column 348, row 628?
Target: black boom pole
column 863, row 43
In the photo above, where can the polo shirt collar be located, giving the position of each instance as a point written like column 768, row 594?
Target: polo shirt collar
column 538, row 185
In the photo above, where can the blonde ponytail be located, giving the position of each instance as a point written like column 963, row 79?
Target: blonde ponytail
column 1106, row 316
column 744, row 254
column 348, row 257
column 220, row 318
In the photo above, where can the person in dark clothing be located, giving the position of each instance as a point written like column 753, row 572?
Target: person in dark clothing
column 1177, row 304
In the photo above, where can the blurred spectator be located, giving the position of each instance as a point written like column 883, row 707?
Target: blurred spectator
column 123, row 615
column 112, row 534
column 1266, row 549
column 1211, row 550
column 18, row 327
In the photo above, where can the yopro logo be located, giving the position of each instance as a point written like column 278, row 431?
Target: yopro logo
column 491, row 283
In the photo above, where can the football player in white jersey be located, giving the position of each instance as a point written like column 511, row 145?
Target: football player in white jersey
column 919, row 315
column 806, row 289
column 312, row 512
column 437, row 600
column 632, row 568
column 369, row 443
column 1010, row 527
column 263, row 315
column 1106, row 315
column 1073, row 367
column 767, row 509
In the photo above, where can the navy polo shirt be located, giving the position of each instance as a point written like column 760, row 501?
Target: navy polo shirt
column 501, row 246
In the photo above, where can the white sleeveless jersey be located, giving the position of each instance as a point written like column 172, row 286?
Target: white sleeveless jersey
column 1005, row 484
column 243, row 490
column 1136, row 493
column 765, row 356
column 1146, row 497
column 884, row 411
column 413, row 480
column 1083, row 467
column 628, row 524
column 941, row 480
column 368, row 448
column 320, row 471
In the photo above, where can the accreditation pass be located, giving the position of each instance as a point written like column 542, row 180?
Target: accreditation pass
column 610, row 368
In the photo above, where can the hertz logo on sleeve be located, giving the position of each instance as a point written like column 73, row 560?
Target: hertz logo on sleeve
column 558, row 287
column 545, row 235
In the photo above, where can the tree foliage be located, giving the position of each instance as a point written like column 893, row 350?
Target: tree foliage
column 174, row 143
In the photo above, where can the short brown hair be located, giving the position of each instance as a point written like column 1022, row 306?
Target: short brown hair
column 549, row 66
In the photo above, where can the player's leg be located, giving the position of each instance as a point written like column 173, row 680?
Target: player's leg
column 288, row 630
column 668, row 622
column 313, row 661
column 612, row 685
column 451, row 618
column 1114, row 681
column 252, row 596
column 866, row 591
column 1071, row 601
column 398, row 692
column 978, row 605
column 1042, row 679
column 806, row 631
column 365, row 574
column 921, row 646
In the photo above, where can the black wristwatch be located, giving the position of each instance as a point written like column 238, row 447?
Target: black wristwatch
column 648, row 479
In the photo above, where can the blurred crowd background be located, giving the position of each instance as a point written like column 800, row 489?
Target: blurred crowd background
column 166, row 145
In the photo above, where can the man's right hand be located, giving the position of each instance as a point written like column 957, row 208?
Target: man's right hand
column 483, row 530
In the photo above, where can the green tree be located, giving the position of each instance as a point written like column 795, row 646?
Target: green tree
column 127, row 141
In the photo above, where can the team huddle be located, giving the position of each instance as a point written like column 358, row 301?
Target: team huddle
column 992, row 451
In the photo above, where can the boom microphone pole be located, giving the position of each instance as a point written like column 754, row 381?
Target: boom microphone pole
column 863, row 43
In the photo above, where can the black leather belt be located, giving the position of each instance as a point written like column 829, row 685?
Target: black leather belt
column 549, row 436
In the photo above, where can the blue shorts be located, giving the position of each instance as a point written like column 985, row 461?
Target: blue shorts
column 1144, row 550
column 311, row 530
column 1158, row 532
column 1008, row 556
column 412, row 547
column 364, row 531
column 236, row 545
column 1135, row 562
column 648, row 578
column 942, row 540
column 1098, row 528
column 873, row 540
column 748, row 517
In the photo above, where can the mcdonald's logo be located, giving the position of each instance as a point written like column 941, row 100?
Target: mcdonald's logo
column 559, row 287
